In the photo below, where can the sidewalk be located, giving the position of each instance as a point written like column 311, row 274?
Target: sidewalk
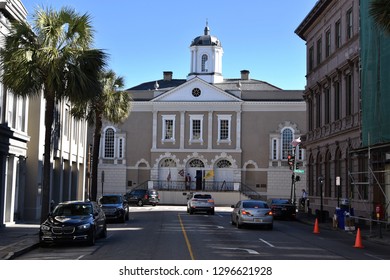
column 374, row 234
column 16, row 239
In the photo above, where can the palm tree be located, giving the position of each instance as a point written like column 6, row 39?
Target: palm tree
column 380, row 11
column 111, row 104
column 54, row 55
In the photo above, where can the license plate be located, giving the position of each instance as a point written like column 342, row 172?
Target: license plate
column 256, row 220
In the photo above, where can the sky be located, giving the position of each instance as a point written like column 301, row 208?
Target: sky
column 145, row 38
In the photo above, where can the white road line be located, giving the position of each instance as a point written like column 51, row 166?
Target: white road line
column 266, row 242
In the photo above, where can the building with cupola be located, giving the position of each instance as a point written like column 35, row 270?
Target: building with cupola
column 229, row 135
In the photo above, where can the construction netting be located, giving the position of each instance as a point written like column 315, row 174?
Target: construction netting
column 375, row 79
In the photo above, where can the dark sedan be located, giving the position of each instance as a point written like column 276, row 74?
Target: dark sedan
column 283, row 209
column 74, row 221
column 115, row 207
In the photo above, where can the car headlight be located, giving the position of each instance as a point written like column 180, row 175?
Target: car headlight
column 84, row 226
column 45, row 228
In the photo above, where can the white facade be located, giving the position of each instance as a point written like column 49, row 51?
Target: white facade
column 13, row 131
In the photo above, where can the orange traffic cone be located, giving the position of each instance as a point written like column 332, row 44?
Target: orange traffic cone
column 358, row 241
column 316, row 228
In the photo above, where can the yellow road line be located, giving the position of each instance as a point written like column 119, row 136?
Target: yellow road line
column 186, row 238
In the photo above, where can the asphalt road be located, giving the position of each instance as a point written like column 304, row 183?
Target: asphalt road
column 169, row 233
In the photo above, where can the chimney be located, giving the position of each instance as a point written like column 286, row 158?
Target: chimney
column 244, row 74
column 167, row 75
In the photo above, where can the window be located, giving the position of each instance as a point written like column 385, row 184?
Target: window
column 196, row 163
column 120, row 148
column 287, row 138
column 337, row 100
column 319, row 51
column 66, row 122
column 224, row 163
column 338, row 34
column 274, row 149
column 327, row 105
column 310, row 112
column 349, row 24
column 348, row 88
column 311, row 58
column 224, row 128
column 204, row 62
column 196, row 128
column 327, row 43
column 168, row 128
column 109, row 139
column 319, row 110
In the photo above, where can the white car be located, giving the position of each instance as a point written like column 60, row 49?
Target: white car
column 200, row 202
column 252, row 212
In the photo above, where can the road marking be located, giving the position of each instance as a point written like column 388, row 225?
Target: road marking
column 220, row 227
column 249, row 251
column 266, row 242
column 186, row 238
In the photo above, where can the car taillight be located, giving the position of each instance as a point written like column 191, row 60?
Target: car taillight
column 210, row 200
column 146, row 196
column 269, row 213
column 244, row 212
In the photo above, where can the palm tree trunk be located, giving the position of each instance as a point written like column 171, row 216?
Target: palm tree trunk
column 49, row 116
column 95, row 157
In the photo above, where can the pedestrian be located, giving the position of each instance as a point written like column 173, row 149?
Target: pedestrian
column 303, row 198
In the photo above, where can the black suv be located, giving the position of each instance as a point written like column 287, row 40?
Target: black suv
column 115, row 207
column 141, row 197
column 74, row 221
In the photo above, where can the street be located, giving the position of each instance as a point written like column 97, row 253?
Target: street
column 169, row 233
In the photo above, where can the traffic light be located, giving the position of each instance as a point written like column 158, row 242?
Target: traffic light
column 290, row 161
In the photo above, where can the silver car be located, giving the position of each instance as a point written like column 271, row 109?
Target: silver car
column 200, row 202
column 252, row 212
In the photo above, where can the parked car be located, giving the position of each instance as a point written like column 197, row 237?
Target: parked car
column 142, row 197
column 283, row 208
column 115, row 207
column 74, row 221
column 252, row 212
column 200, row 202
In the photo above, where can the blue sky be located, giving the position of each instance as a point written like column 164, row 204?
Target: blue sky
column 145, row 38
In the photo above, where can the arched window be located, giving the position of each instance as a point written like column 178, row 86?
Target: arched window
column 196, row 163
column 287, row 138
column 224, row 163
column 168, row 162
column 109, row 139
column 204, row 62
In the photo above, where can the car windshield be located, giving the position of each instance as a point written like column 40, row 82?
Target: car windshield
column 110, row 199
column 202, row 196
column 254, row 204
column 73, row 210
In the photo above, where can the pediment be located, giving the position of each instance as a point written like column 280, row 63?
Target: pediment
column 196, row 90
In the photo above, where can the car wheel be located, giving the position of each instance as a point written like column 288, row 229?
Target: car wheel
column 212, row 212
column 270, row 227
column 140, row 203
column 123, row 218
column 103, row 234
column 92, row 237
column 191, row 211
column 127, row 214
column 233, row 222
column 238, row 223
